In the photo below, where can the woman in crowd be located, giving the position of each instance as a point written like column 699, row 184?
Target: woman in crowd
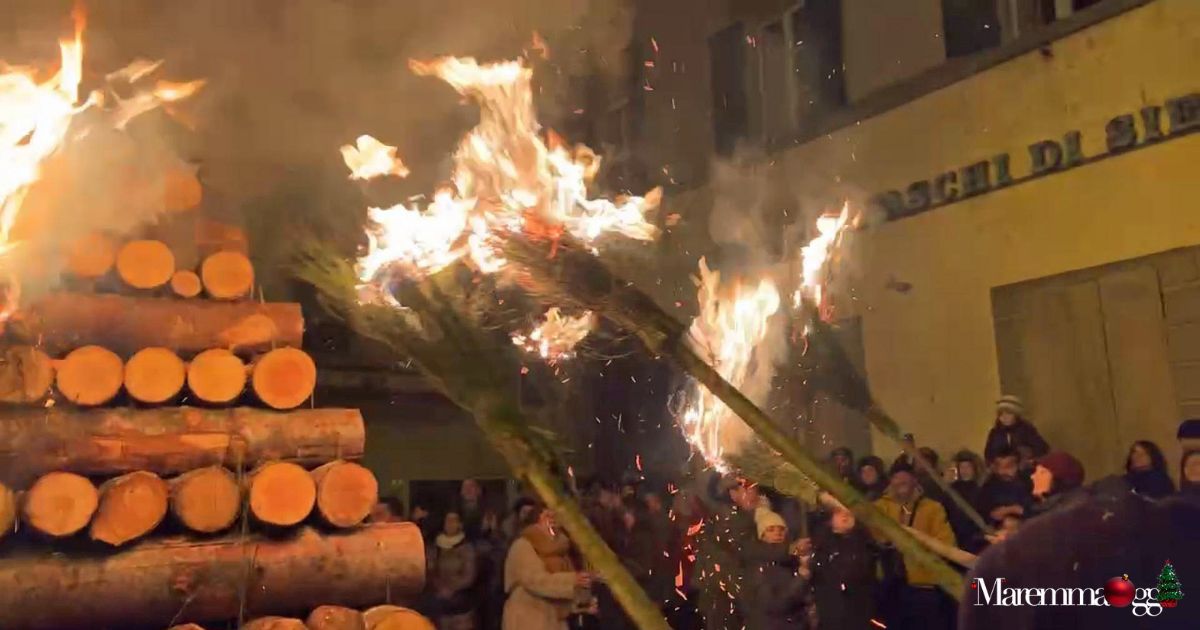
column 843, row 572
column 452, row 573
column 966, row 475
column 1013, row 431
column 1057, row 479
column 1189, row 474
column 1146, row 470
column 778, row 579
column 540, row 577
column 871, row 480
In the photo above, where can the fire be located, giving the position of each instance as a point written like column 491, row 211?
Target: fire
column 504, row 173
column 35, row 118
column 815, row 257
column 555, row 338
column 731, row 324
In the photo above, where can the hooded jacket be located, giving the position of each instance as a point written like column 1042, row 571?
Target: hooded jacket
column 1021, row 433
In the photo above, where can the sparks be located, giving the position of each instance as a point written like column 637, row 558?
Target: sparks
column 555, row 338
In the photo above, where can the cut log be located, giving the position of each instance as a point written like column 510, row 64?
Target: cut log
column 185, row 284
column 159, row 582
column 8, row 510
column 281, row 494
column 90, row 376
column 186, row 626
column 274, row 623
column 396, row 618
column 145, row 264
column 26, row 374
column 284, row 378
column 206, row 500
column 169, row 440
column 91, row 256
column 131, row 506
column 227, row 275
column 181, row 189
column 60, row 504
column 216, row 376
column 65, row 321
column 335, row 618
column 154, row 375
column 346, row 493
column 215, row 236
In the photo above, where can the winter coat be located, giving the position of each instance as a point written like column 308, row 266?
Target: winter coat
column 776, row 595
column 925, row 515
column 1021, row 433
column 1082, row 546
column 996, row 492
column 843, row 578
column 719, row 571
column 537, row 598
column 452, row 572
column 1152, row 483
column 966, row 532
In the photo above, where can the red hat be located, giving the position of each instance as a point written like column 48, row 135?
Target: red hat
column 1068, row 472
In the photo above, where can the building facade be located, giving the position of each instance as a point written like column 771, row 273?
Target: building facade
column 1025, row 173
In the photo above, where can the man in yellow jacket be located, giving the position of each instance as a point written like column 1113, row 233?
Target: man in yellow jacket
column 914, row 600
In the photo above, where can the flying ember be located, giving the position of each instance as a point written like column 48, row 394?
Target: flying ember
column 731, row 323
column 557, row 335
column 506, row 177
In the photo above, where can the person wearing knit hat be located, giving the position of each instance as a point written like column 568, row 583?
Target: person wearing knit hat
column 777, row 582
column 770, row 525
column 1057, row 478
column 1013, row 431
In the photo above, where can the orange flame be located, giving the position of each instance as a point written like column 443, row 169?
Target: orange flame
column 555, row 338
column 729, row 327
column 369, row 158
column 504, row 172
column 814, row 259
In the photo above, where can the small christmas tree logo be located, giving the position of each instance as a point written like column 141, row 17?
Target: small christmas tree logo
column 1169, row 592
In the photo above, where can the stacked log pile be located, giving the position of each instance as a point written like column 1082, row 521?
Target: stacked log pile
column 157, row 396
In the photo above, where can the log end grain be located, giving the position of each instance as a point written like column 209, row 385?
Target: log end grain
column 281, row 493
column 145, row 264
column 130, row 507
column 60, row 504
column 185, row 283
column 335, row 618
column 396, row 618
column 26, row 374
column 284, row 378
column 186, row 626
column 91, row 256
column 8, row 510
column 154, row 375
column 90, row 375
column 216, row 376
column 346, row 493
column 274, row 623
column 206, row 500
column 227, row 275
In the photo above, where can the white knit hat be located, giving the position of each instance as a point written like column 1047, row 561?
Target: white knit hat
column 764, row 518
column 1011, row 404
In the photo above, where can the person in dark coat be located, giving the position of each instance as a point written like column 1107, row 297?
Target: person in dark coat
column 966, row 484
column 841, row 460
column 1146, row 470
column 1082, row 546
column 1189, row 474
column 778, row 581
column 872, row 477
column 843, row 573
column 1004, row 493
column 1013, row 431
column 1057, row 480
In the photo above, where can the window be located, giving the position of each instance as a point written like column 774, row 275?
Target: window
column 727, row 53
column 969, row 26
column 1018, row 17
column 817, row 73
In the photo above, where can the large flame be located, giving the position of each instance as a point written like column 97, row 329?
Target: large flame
column 814, row 259
column 504, row 174
column 35, row 118
column 555, row 338
column 731, row 323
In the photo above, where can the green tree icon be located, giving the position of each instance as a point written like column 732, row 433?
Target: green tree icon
column 1169, row 592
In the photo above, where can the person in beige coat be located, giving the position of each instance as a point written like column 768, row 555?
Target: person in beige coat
column 540, row 579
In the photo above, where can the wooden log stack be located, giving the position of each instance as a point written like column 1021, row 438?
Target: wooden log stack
column 157, row 395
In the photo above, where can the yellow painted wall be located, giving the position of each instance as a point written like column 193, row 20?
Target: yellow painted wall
column 931, row 355
column 884, row 41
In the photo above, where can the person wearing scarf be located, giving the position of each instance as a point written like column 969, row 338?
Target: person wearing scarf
column 452, row 573
column 540, row 577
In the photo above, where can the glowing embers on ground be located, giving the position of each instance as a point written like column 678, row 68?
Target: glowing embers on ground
column 36, row 120
column 732, row 322
column 555, row 338
column 504, row 173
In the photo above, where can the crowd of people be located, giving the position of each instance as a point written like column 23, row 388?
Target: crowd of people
column 722, row 552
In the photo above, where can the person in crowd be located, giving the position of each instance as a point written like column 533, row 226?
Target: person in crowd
column 1057, row 480
column 727, row 535
column 778, row 580
column 452, row 572
column 490, row 547
column 1013, row 431
column 1004, row 493
column 387, row 510
column 913, row 600
column 471, row 507
column 841, row 461
column 662, row 562
column 1189, row 463
column 966, row 475
column 925, row 476
column 843, row 572
column 510, row 527
column 1146, row 470
column 423, row 519
column 872, row 480
column 541, row 580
